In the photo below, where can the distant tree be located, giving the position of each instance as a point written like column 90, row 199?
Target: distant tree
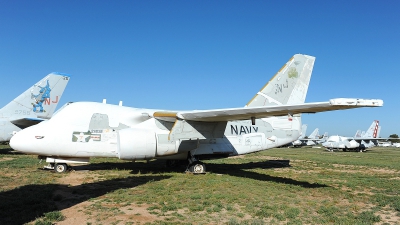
column 394, row 136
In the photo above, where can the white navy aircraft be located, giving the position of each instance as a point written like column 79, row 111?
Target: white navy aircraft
column 298, row 143
column 32, row 106
column 312, row 139
column 270, row 119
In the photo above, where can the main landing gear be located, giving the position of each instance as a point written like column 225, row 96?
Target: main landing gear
column 193, row 164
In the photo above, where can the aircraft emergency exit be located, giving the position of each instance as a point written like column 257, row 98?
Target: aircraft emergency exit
column 32, row 106
column 270, row 119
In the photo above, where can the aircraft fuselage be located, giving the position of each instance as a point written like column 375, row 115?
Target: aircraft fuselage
column 101, row 130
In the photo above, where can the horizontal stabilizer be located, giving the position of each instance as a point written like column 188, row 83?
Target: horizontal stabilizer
column 26, row 122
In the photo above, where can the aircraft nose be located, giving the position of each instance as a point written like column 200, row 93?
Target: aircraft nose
column 21, row 141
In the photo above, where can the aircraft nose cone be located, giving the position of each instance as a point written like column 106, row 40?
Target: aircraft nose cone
column 22, row 141
column 17, row 142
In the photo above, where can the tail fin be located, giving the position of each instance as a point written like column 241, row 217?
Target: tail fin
column 358, row 134
column 379, row 132
column 314, row 134
column 289, row 85
column 372, row 131
column 40, row 100
column 303, row 131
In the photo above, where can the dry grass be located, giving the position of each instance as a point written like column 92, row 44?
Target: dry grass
column 277, row 186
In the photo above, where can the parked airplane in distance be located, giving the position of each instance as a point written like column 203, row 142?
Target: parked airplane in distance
column 384, row 144
column 32, row 106
column 339, row 142
column 397, row 145
column 298, row 143
column 309, row 141
column 270, row 119
column 324, row 138
column 369, row 138
column 359, row 142
column 312, row 139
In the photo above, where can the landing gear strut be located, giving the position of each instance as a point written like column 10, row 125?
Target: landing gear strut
column 195, row 166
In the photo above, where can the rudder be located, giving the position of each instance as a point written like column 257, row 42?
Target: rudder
column 289, row 85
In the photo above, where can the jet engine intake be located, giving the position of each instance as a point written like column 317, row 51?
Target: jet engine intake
column 134, row 143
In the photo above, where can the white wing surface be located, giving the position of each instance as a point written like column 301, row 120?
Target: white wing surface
column 246, row 113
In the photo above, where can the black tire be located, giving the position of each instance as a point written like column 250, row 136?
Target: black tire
column 197, row 167
column 60, row 167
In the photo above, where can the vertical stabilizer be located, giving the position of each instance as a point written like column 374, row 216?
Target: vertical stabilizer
column 39, row 101
column 379, row 132
column 314, row 134
column 289, row 85
column 373, row 130
column 358, row 134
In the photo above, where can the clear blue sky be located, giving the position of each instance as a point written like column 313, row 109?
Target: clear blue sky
column 183, row 55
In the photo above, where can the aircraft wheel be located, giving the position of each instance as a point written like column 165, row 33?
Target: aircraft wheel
column 60, row 168
column 197, row 167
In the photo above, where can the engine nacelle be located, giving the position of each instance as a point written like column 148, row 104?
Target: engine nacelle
column 136, row 143
column 353, row 144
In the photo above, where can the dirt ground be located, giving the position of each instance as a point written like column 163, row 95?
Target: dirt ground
column 77, row 214
column 138, row 214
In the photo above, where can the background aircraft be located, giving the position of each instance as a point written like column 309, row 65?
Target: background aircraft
column 384, row 143
column 298, row 143
column 32, row 106
column 323, row 139
column 369, row 138
column 270, row 119
column 359, row 142
column 340, row 142
column 311, row 140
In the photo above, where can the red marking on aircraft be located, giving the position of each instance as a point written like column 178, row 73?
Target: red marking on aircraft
column 376, row 129
column 48, row 102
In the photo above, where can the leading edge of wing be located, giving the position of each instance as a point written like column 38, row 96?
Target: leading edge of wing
column 247, row 113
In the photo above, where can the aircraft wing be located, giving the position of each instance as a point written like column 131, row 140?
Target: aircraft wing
column 372, row 139
column 26, row 122
column 247, row 113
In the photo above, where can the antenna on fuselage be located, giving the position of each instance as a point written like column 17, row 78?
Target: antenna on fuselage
column 104, row 100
